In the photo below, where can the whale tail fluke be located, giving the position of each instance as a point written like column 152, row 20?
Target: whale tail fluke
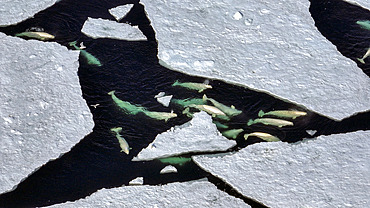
column 176, row 83
column 117, row 130
column 246, row 136
column 261, row 113
column 111, row 92
column 205, row 98
column 361, row 60
column 250, row 122
column 73, row 43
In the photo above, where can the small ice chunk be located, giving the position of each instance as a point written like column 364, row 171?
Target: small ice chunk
column 159, row 95
column 165, row 100
column 101, row 28
column 168, row 169
column 120, row 11
column 136, row 181
column 311, row 132
column 362, row 3
column 197, row 135
column 237, row 16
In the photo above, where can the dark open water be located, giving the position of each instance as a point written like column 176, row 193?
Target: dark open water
column 131, row 69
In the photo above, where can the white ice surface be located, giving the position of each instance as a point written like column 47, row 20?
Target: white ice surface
column 168, row 169
column 165, row 100
column 42, row 112
column 362, row 3
column 120, row 11
column 188, row 194
column 102, row 28
column 15, row 11
column 198, row 135
column 330, row 171
column 271, row 46
column 137, row 181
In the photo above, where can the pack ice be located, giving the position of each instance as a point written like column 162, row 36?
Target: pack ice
column 330, row 171
column 42, row 112
column 269, row 45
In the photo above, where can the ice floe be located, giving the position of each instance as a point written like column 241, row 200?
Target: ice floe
column 102, row 28
column 165, row 100
column 187, row 194
column 362, row 3
column 15, row 11
column 329, row 171
column 198, row 135
column 136, row 181
column 272, row 46
column 120, row 11
column 42, row 112
column 168, row 169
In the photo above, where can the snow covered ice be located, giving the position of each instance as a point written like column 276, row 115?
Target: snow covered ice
column 168, row 169
column 15, row 11
column 329, row 171
column 198, row 135
column 269, row 45
column 187, row 194
column 120, row 11
column 101, row 28
column 137, row 181
column 362, row 3
column 38, row 121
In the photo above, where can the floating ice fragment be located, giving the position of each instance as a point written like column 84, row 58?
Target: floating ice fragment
column 197, row 135
column 159, row 95
column 136, row 181
column 311, row 132
column 102, row 28
column 120, row 11
column 168, row 169
column 165, row 100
